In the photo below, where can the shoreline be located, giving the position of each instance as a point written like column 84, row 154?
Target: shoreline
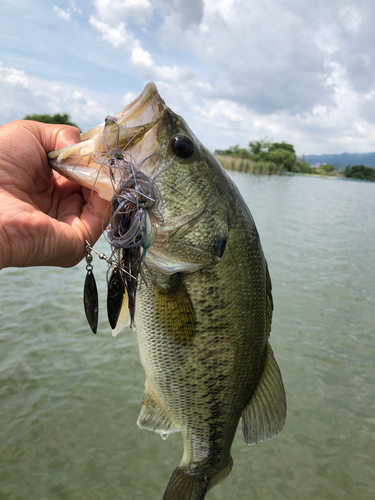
column 248, row 166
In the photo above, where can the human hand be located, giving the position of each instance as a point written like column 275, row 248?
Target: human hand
column 44, row 218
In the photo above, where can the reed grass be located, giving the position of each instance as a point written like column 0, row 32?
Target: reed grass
column 249, row 166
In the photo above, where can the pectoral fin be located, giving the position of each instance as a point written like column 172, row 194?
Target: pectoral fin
column 265, row 414
column 175, row 310
column 153, row 418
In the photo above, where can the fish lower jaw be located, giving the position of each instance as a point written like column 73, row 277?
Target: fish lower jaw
column 164, row 263
column 86, row 177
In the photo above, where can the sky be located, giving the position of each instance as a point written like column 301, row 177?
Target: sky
column 236, row 70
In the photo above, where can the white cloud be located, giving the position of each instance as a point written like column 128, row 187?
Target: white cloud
column 78, row 97
column 141, row 57
column 352, row 18
column 183, row 13
column 118, row 37
column 62, row 14
column 74, row 8
column 114, row 11
column 235, row 69
column 66, row 15
column 21, row 94
column 14, row 77
column 268, row 68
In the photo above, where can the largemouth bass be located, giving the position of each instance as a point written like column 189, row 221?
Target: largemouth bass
column 203, row 319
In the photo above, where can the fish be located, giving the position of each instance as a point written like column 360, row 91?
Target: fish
column 203, row 314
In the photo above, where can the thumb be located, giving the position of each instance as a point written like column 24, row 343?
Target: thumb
column 53, row 137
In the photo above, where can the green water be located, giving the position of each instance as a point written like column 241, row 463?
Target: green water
column 69, row 400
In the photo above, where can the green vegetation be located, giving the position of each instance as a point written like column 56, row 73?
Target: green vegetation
column 57, row 118
column 360, row 172
column 237, row 152
column 305, row 168
column 249, row 166
column 327, row 168
column 265, row 157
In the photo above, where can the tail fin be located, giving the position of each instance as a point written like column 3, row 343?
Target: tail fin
column 183, row 486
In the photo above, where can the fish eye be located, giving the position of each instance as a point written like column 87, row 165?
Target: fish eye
column 182, row 146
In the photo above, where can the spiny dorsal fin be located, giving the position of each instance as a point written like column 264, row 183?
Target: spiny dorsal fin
column 175, row 310
column 265, row 414
column 153, row 418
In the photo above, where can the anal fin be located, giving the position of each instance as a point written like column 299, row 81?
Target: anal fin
column 153, row 418
column 265, row 414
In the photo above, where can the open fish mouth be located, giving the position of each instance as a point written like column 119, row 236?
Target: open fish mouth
column 90, row 162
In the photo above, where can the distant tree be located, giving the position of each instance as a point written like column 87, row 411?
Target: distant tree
column 57, row 118
column 327, row 167
column 233, row 150
column 261, row 146
column 282, row 145
column 237, row 152
column 360, row 172
column 280, row 154
column 282, row 157
column 304, row 168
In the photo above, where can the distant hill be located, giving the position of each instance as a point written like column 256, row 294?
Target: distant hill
column 344, row 159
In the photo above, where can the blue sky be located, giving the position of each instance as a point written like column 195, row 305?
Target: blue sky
column 236, row 70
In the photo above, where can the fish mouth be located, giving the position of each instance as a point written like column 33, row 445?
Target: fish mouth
column 144, row 108
column 131, row 134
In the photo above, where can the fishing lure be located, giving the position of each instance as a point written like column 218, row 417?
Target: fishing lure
column 134, row 207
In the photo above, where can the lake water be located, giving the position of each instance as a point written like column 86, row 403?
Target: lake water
column 69, row 400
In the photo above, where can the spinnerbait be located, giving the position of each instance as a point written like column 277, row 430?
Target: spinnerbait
column 129, row 232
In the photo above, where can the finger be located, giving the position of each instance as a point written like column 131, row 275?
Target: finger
column 67, row 136
column 53, row 137
column 58, row 136
column 87, row 219
column 95, row 215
